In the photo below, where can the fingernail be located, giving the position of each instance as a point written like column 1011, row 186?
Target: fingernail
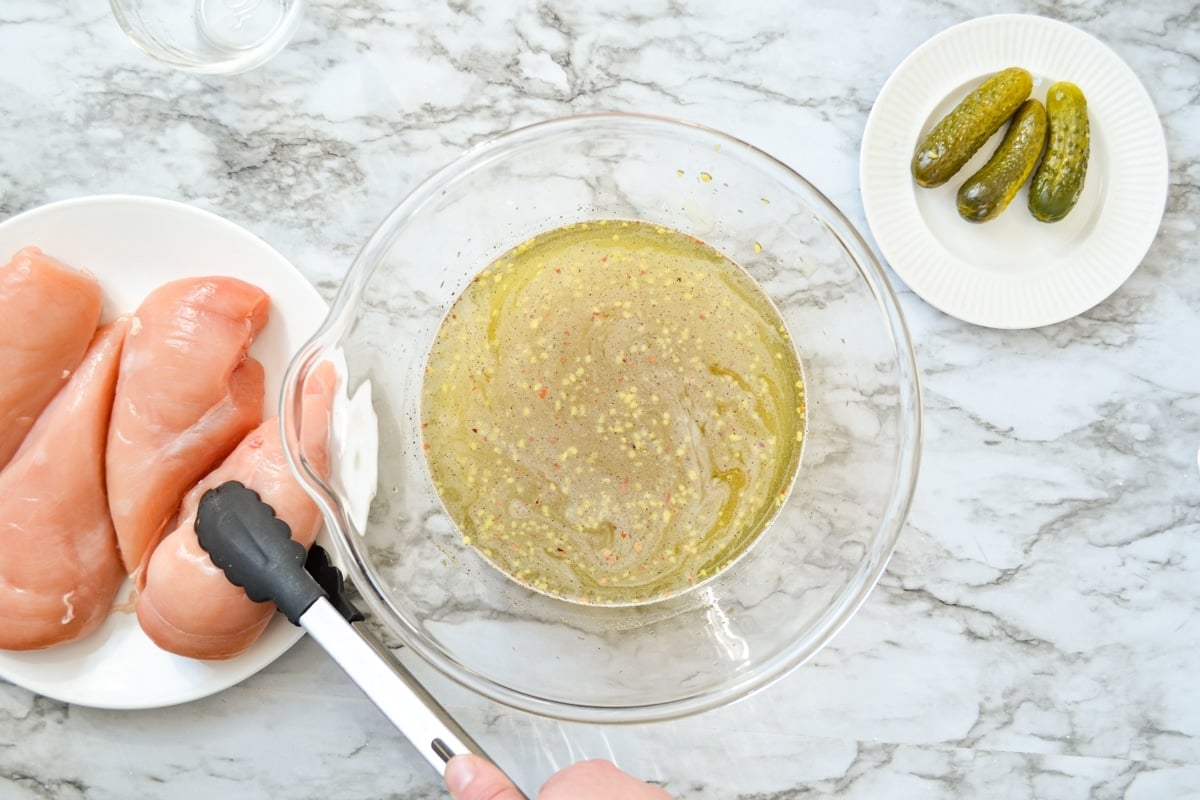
column 460, row 771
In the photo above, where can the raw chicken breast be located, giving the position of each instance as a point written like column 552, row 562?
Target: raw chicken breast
column 59, row 565
column 186, row 395
column 48, row 314
column 188, row 606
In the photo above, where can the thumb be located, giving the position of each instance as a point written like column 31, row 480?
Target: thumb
column 469, row 777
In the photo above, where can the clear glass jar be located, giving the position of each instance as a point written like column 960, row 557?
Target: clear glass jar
column 215, row 37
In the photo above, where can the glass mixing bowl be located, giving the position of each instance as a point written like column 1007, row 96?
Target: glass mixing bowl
column 811, row 568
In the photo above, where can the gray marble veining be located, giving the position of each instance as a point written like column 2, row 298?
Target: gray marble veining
column 1036, row 633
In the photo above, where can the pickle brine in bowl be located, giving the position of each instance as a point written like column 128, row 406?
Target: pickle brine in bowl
column 630, row 424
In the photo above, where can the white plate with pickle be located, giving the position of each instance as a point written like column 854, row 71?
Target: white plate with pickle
column 1014, row 271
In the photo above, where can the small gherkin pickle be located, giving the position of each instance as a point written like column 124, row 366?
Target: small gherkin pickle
column 989, row 191
column 1058, row 182
column 960, row 134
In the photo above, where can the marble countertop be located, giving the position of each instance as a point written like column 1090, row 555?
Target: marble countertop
column 1035, row 634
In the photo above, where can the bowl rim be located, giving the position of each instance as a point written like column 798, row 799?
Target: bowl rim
column 849, row 600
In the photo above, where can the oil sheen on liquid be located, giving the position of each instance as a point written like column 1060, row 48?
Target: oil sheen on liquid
column 612, row 412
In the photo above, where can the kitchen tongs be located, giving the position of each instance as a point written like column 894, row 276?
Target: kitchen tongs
column 255, row 549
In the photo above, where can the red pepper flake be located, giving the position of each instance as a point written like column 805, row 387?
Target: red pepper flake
column 668, row 498
column 544, row 391
column 624, row 535
column 650, row 359
column 558, row 270
column 425, row 446
column 424, row 425
column 704, row 316
column 473, row 388
column 604, row 259
column 556, row 465
column 553, row 440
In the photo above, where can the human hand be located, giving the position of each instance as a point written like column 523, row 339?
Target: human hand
column 473, row 778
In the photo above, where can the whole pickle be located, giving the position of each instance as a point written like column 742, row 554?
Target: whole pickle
column 989, row 191
column 957, row 137
column 1058, row 182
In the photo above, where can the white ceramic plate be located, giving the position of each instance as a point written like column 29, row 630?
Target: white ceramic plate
column 1014, row 272
column 133, row 245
